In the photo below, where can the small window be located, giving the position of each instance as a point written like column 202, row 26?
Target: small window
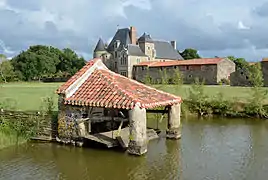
column 123, row 61
column 242, row 73
column 123, row 73
column 115, row 54
column 190, row 75
column 246, row 77
column 142, row 68
column 187, row 67
column 175, row 67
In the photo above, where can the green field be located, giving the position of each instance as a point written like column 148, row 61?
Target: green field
column 28, row 96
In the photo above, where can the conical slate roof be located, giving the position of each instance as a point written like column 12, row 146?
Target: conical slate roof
column 145, row 38
column 100, row 46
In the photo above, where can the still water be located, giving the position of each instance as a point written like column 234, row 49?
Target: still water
column 216, row 149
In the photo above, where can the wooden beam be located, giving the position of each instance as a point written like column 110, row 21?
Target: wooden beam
column 156, row 111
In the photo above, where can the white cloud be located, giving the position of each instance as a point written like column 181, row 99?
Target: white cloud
column 242, row 26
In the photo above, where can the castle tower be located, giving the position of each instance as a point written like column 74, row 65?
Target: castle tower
column 99, row 49
column 146, row 44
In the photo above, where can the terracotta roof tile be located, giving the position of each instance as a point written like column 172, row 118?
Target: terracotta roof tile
column 203, row 61
column 104, row 88
column 265, row 59
column 76, row 76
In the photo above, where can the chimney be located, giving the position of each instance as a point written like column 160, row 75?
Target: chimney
column 173, row 44
column 133, row 35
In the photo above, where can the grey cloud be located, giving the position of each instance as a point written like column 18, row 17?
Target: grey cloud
column 212, row 28
column 261, row 10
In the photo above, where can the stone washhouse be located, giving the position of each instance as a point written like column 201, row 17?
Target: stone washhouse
column 100, row 105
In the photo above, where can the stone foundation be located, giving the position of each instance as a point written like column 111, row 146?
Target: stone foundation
column 137, row 148
column 173, row 133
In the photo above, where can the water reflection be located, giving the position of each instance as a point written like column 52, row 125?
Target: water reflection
column 209, row 149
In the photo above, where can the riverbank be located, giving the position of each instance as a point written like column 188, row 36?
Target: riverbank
column 10, row 139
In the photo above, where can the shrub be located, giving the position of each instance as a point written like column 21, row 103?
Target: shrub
column 224, row 81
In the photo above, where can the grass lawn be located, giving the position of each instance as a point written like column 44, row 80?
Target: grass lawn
column 229, row 92
column 28, row 96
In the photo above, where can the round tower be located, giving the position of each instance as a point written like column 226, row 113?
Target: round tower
column 99, row 50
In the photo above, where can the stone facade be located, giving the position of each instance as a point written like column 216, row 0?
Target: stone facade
column 125, row 51
column 211, row 74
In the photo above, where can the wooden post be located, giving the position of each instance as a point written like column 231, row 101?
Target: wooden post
column 174, row 113
column 138, row 131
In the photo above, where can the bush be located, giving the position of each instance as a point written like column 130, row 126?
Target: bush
column 224, row 82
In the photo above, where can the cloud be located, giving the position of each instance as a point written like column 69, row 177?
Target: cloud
column 215, row 28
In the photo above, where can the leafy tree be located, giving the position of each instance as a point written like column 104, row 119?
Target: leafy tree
column 46, row 61
column 6, row 69
column 240, row 63
column 190, row 54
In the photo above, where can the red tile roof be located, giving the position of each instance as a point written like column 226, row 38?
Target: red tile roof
column 265, row 59
column 65, row 86
column 203, row 61
column 104, row 88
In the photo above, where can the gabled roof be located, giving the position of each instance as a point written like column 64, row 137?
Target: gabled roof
column 145, row 38
column 100, row 46
column 135, row 50
column 203, row 61
column 164, row 50
column 123, row 36
column 95, row 85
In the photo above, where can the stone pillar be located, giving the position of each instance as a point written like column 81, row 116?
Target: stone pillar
column 174, row 122
column 137, row 131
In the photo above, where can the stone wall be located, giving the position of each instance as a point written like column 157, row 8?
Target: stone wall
column 264, row 65
column 189, row 73
column 211, row 74
column 240, row 78
column 224, row 69
column 43, row 123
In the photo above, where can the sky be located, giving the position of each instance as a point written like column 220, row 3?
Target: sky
column 213, row 27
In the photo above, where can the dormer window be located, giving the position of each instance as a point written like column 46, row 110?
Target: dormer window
column 116, row 44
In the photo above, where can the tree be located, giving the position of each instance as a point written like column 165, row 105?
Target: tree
column 240, row 63
column 6, row 69
column 41, row 61
column 190, row 54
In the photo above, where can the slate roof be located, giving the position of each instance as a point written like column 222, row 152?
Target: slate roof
column 145, row 38
column 203, row 61
column 123, row 36
column 100, row 46
column 164, row 50
column 135, row 50
column 104, row 88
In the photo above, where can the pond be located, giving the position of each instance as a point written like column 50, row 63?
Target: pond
column 209, row 149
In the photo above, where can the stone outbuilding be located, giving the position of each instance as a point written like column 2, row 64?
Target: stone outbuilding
column 211, row 70
column 97, row 95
